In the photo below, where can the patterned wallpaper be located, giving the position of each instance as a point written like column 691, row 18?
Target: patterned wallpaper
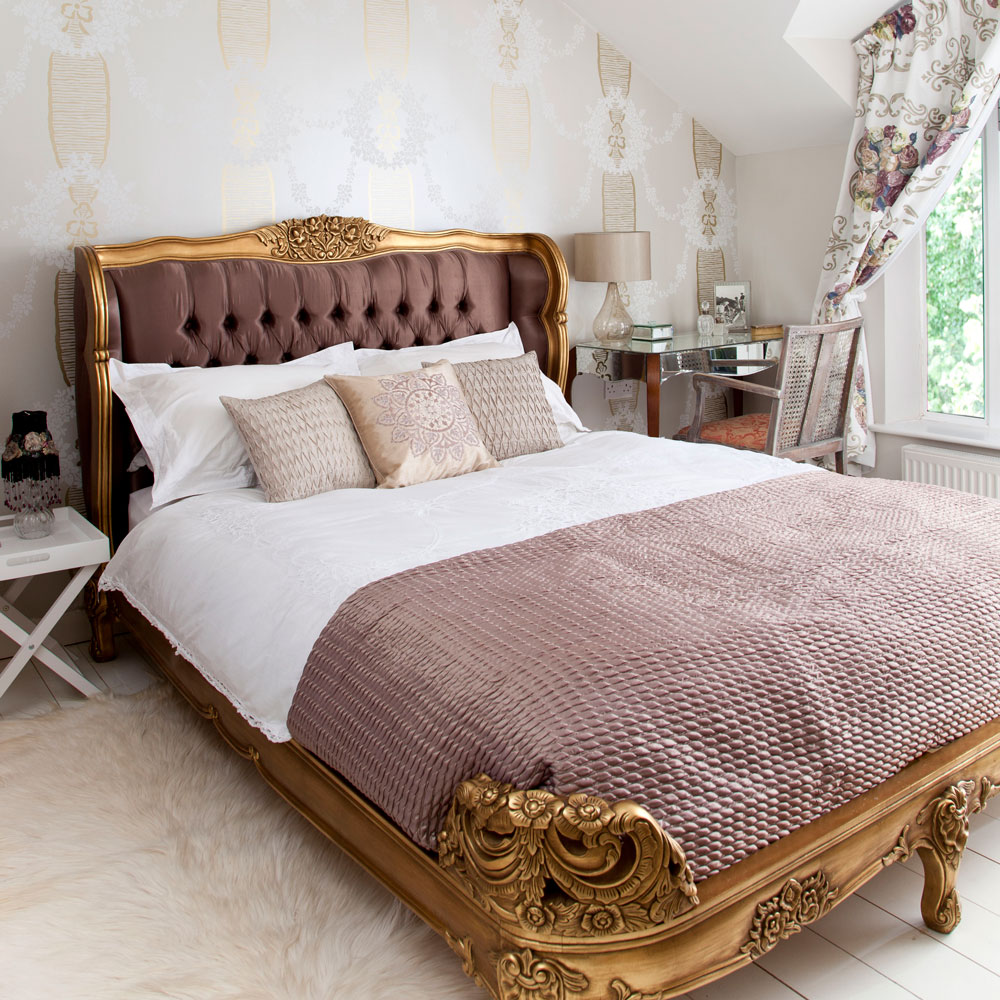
column 125, row 119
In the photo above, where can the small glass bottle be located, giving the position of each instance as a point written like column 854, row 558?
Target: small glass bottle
column 706, row 324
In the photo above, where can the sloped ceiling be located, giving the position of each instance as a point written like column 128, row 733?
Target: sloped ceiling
column 761, row 75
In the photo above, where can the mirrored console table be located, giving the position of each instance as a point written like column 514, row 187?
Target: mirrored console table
column 733, row 353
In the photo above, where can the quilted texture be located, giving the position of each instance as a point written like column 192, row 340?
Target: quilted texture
column 301, row 442
column 508, row 403
column 739, row 663
column 748, row 431
column 415, row 427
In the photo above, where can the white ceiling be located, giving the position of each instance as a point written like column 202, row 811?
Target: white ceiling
column 761, row 75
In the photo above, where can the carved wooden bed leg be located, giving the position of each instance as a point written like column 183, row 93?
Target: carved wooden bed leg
column 102, row 619
column 939, row 904
column 941, row 842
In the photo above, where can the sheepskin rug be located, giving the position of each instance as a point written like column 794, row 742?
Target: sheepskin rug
column 140, row 857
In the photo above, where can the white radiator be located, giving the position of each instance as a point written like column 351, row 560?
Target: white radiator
column 960, row 470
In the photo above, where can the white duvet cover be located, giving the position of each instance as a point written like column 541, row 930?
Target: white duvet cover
column 242, row 588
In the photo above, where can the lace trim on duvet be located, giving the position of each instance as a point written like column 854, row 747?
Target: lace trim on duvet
column 275, row 735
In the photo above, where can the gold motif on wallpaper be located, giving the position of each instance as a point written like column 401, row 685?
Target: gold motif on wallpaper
column 322, row 237
column 617, row 184
column 509, row 54
column 708, row 165
column 79, row 130
column 551, row 865
column 244, row 28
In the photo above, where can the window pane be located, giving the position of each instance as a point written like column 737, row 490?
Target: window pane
column 956, row 373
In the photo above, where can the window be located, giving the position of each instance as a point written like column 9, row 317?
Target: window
column 956, row 337
column 963, row 310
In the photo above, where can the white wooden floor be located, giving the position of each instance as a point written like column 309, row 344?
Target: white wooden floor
column 873, row 946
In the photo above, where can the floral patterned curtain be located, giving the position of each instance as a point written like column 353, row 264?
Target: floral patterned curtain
column 929, row 75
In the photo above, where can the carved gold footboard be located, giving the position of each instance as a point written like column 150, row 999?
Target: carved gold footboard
column 546, row 897
column 593, row 899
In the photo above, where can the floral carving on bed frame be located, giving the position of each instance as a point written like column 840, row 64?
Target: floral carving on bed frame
column 573, row 866
column 788, row 911
column 322, row 237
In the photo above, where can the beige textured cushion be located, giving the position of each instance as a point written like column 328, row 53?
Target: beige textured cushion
column 507, row 400
column 301, row 442
column 415, row 426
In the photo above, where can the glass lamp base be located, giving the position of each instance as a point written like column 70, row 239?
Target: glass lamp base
column 34, row 523
column 613, row 323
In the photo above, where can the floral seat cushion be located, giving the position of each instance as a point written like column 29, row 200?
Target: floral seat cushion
column 748, row 431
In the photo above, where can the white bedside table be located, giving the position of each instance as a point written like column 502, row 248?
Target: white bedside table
column 74, row 544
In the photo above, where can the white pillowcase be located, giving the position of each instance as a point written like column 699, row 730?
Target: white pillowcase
column 568, row 424
column 191, row 442
column 478, row 347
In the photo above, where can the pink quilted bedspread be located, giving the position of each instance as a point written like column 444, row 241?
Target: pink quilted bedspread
column 740, row 663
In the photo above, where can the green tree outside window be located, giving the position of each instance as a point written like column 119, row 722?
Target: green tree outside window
column 956, row 374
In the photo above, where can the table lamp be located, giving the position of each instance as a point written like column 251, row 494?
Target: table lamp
column 612, row 257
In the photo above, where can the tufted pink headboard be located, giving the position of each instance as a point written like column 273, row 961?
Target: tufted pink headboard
column 279, row 293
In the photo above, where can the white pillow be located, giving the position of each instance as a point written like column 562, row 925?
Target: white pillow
column 192, row 444
column 124, row 371
column 478, row 347
column 568, row 424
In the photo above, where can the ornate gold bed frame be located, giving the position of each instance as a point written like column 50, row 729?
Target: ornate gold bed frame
column 546, row 897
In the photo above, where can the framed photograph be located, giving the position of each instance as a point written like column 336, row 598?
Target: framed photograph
column 732, row 304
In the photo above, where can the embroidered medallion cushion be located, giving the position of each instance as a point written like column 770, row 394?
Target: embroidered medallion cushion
column 414, row 426
column 507, row 401
column 301, row 442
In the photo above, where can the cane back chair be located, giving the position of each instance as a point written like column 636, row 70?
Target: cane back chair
column 809, row 399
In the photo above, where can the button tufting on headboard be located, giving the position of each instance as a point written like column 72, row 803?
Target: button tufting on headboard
column 195, row 306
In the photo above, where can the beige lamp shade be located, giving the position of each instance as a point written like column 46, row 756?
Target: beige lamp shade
column 612, row 256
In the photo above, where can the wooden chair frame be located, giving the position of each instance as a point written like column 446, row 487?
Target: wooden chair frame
column 807, row 446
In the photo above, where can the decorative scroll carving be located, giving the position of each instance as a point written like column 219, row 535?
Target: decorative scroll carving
column 621, row 990
column 573, row 866
column 940, row 835
column 902, row 850
column 526, row 976
column 322, row 237
column 947, row 819
column 788, row 911
column 463, row 948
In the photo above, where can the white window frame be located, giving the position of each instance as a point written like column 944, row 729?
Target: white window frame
column 991, row 290
column 897, row 305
